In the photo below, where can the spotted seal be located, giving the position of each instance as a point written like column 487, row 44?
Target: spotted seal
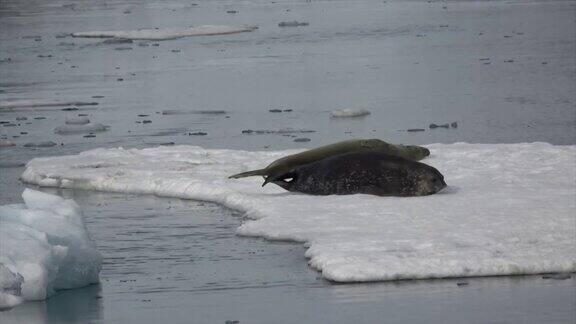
column 366, row 172
column 290, row 162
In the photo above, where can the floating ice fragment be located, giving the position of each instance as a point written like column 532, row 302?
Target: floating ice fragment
column 6, row 143
column 281, row 131
column 193, row 112
column 349, row 113
column 40, row 144
column 80, row 129
column 292, row 24
column 79, row 120
column 167, row 33
column 36, row 103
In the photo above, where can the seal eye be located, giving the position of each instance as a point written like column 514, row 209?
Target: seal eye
column 287, row 177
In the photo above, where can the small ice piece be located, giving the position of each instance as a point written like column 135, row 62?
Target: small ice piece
column 38, row 103
column 117, row 41
column 76, row 120
column 8, row 301
column 167, row 33
column 349, row 113
column 45, row 247
column 281, row 131
column 433, row 125
column 193, row 112
column 504, row 212
column 80, row 129
column 6, row 143
column 10, row 288
column 40, row 144
column 292, row 24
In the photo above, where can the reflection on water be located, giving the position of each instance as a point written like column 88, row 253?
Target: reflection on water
column 83, row 305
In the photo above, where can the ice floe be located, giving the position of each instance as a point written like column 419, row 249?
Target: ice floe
column 509, row 208
column 346, row 112
column 44, row 247
column 167, row 33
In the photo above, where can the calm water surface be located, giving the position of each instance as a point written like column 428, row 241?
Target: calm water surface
column 504, row 71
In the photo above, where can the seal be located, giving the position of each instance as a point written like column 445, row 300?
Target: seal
column 290, row 162
column 368, row 172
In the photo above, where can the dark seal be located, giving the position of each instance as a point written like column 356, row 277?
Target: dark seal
column 290, row 162
column 372, row 173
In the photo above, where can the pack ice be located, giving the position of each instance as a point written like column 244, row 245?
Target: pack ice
column 509, row 208
column 167, row 33
column 44, row 247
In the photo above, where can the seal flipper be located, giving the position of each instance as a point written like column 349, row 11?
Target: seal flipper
column 248, row 174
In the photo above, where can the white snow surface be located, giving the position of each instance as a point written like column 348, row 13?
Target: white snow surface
column 44, row 246
column 167, row 33
column 509, row 208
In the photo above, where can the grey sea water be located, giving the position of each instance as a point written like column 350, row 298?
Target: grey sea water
column 504, row 71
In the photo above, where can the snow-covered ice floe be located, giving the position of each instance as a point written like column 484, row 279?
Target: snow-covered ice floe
column 167, row 33
column 44, row 246
column 348, row 113
column 509, row 208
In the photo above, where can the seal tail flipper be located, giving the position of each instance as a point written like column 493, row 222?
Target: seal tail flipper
column 267, row 180
column 248, row 174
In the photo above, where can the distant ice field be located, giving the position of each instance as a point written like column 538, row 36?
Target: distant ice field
column 509, row 208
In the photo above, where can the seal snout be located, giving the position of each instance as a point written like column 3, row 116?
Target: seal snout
column 431, row 183
column 439, row 184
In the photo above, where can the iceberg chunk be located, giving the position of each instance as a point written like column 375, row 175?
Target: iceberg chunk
column 45, row 247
